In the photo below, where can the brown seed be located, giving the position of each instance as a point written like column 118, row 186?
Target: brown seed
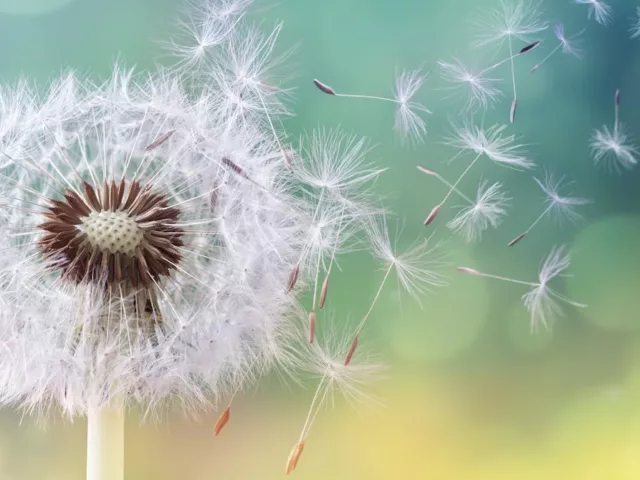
column 222, row 421
column 312, row 326
column 159, row 141
column 323, row 291
column 324, row 87
column 352, row 350
column 293, row 278
column 294, row 456
column 517, row 239
column 529, row 47
column 432, row 215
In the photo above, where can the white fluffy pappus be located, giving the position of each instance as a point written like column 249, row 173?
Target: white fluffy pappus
column 225, row 222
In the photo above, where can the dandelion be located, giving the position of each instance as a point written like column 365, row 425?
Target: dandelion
column 568, row 45
column 482, row 90
column 598, row 10
column 542, row 302
column 613, row 148
column 634, row 31
column 559, row 206
column 489, row 142
column 153, row 241
column 514, row 19
column 408, row 124
column 121, row 284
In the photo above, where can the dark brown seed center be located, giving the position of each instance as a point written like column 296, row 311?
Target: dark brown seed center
column 124, row 233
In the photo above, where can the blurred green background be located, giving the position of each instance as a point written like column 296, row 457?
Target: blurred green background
column 470, row 393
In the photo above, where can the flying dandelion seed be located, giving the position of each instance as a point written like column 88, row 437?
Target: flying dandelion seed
column 569, row 45
column 487, row 210
column 408, row 124
column 489, row 142
column 600, row 11
column 327, row 363
column 614, row 148
column 417, row 270
column 541, row 301
column 514, row 19
column 560, row 207
column 481, row 89
column 634, row 31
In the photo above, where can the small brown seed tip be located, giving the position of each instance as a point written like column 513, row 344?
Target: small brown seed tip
column 512, row 112
column 352, row 350
column 432, row 215
column 517, row 239
column 293, row 278
column 324, row 291
column 529, row 47
column 324, row 87
column 312, row 326
column 222, row 421
column 294, row 456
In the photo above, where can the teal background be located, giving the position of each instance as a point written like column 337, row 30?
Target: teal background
column 470, row 393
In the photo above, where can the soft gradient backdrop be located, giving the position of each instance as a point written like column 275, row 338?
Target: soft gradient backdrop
column 469, row 393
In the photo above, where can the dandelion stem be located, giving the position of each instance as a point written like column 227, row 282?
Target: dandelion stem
column 453, row 187
column 539, row 64
column 496, row 65
column 505, row 279
column 537, row 220
column 368, row 97
column 513, row 72
column 375, row 299
column 616, row 103
column 313, row 409
column 105, row 443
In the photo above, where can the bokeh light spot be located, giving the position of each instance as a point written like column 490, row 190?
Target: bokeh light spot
column 518, row 328
column 449, row 323
column 604, row 273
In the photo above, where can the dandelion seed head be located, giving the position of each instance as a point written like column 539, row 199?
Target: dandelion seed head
column 561, row 206
column 519, row 19
column 634, row 31
column 418, row 267
column 500, row 148
column 488, row 210
column 326, row 362
column 600, row 11
column 613, row 148
column 482, row 90
column 541, row 301
column 408, row 124
column 569, row 45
